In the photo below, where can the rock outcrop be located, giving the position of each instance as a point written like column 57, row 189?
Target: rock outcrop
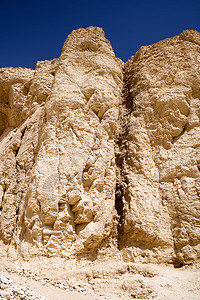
column 160, row 150
column 98, row 154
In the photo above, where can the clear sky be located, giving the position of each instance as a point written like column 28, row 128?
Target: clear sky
column 36, row 30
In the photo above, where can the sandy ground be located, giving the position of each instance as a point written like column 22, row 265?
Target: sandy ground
column 104, row 280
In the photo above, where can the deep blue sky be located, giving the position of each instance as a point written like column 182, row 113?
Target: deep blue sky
column 36, row 30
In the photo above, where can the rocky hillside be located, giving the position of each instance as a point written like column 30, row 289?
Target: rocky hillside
column 101, row 157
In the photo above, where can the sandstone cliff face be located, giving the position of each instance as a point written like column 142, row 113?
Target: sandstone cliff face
column 97, row 153
column 159, row 146
column 58, row 164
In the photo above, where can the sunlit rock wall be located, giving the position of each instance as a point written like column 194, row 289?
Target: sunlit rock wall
column 160, row 151
column 95, row 153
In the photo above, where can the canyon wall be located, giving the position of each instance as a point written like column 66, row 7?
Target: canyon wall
column 100, row 155
column 160, row 150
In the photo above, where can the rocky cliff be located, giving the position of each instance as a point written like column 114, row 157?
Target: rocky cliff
column 101, row 156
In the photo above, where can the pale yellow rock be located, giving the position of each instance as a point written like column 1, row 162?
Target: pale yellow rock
column 160, row 146
column 98, row 155
column 64, row 155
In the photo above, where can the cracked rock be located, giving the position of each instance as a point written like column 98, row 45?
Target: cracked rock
column 100, row 154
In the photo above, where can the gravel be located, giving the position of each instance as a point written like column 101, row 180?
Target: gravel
column 9, row 291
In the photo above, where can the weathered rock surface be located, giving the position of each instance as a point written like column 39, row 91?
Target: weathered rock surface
column 97, row 153
column 160, row 150
column 58, row 164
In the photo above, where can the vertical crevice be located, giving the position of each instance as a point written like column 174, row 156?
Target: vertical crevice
column 16, row 219
column 127, row 97
column 127, row 106
column 23, row 132
column 22, row 135
column 120, row 216
column 176, row 225
column 16, row 151
column 18, row 203
column 2, row 199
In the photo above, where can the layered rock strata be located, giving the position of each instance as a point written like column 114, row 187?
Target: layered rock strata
column 97, row 153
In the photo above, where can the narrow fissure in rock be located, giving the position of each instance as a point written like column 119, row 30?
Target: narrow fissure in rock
column 119, row 208
column 23, row 132
column 126, row 108
column 1, row 205
column 22, row 135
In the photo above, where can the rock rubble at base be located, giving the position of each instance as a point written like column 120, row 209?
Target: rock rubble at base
column 11, row 291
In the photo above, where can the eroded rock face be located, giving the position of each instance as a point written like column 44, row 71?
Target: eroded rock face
column 159, row 144
column 63, row 162
column 90, row 146
column 22, row 123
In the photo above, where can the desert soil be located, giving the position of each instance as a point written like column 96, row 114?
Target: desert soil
column 101, row 281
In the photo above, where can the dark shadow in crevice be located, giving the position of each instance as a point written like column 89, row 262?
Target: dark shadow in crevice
column 176, row 138
column 119, row 206
column 127, row 96
column 2, row 199
column 23, row 132
column 177, row 262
